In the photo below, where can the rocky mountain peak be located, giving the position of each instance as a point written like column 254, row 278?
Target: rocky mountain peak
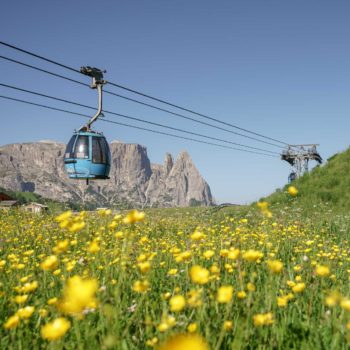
column 184, row 156
column 38, row 167
column 168, row 163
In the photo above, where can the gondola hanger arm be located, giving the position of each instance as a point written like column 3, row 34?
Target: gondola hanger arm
column 97, row 83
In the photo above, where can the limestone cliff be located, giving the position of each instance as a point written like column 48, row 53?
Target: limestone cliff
column 38, row 167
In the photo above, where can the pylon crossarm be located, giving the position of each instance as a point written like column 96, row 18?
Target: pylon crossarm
column 298, row 156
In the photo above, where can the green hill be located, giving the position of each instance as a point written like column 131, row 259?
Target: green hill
column 326, row 186
column 27, row 197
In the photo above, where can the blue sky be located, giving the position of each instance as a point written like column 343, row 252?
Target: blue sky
column 280, row 68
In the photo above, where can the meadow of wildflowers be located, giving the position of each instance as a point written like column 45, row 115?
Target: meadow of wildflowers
column 187, row 279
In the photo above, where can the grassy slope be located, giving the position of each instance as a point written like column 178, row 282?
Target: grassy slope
column 27, row 197
column 327, row 186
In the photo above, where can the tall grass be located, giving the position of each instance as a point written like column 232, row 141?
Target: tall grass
column 111, row 250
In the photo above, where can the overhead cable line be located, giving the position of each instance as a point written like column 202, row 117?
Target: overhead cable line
column 135, row 119
column 42, row 70
column 146, row 95
column 196, row 113
column 38, row 56
column 131, row 126
column 138, row 102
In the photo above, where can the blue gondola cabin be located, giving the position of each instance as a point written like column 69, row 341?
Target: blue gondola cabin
column 87, row 156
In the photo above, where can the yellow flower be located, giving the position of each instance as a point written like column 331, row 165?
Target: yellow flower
column 70, row 265
column 224, row 294
column 275, row 266
column 142, row 257
column 264, row 208
column 93, row 247
column 345, row 304
column 112, row 225
column 50, row 263
column 177, row 303
column 55, row 329
column 251, row 287
column 20, row 299
column 166, row 296
column 199, row 275
column 282, row 301
column 25, row 312
column 292, row 191
column 241, row 294
column 252, row 255
column 29, row 287
column 215, row 270
column 224, row 253
column 208, row 254
column 291, row 284
column 197, row 235
column 170, row 320
column 162, row 327
column 183, row 256
column 227, row 325
column 333, row 299
column 140, row 286
column 12, row 322
column 144, row 240
column 64, row 216
column 64, row 223
column 298, row 278
column 119, row 234
column 299, row 287
column 322, row 271
column 117, row 217
column 192, row 327
column 166, row 323
column 263, row 205
column 185, row 342
column 263, row 319
column 61, row 246
column 152, row 342
column 56, row 272
column 104, row 212
column 78, row 294
column 233, row 254
column 52, row 301
column 43, row 312
column 172, row 272
column 77, row 226
column 144, row 266
column 134, row 216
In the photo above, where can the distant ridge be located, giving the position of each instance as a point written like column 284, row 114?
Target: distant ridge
column 49, row 141
column 134, row 182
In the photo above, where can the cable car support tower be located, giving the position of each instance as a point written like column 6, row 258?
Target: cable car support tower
column 299, row 156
